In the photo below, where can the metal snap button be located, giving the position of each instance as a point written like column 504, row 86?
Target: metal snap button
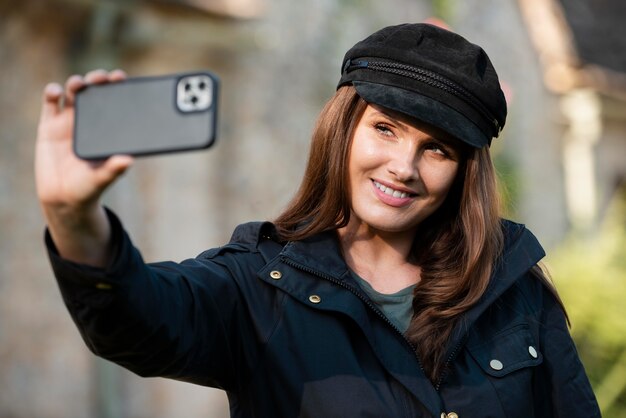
column 315, row 299
column 276, row 275
column 496, row 364
column 453, row 415
column 532, row 352
column 103, row 286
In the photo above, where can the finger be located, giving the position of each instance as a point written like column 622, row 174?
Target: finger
column 76, row 83
column 96, row 76
column 117, row 75
column 72, row 85
column 52, row 93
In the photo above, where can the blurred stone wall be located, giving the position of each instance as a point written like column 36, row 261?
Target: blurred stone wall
column 276, row 72
column 529, row 147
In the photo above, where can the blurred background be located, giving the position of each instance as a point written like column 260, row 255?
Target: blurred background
column 561, row 159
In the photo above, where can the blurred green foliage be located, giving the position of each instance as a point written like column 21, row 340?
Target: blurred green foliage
column 589, row 269
column 508, row 183
column 443, row 9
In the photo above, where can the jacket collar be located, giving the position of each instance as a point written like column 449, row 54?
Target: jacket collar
column 322, row 253
column 521, row 252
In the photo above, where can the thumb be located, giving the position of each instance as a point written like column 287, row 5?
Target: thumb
column 113, row 167
column 118, row 164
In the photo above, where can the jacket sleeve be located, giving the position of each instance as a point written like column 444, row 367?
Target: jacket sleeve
column 563, row 385
column 165, row 319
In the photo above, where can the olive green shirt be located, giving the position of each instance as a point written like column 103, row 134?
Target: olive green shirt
column 397, row 307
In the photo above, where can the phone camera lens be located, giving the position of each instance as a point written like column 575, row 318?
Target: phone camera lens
column 194, row 99
column 187, row 86
column 202, row 85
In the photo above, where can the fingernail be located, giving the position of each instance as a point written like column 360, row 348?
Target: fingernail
column 54, row 89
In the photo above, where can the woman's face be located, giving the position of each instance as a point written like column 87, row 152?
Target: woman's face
column 400, row 170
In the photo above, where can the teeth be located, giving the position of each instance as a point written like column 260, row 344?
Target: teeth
column 391, row 192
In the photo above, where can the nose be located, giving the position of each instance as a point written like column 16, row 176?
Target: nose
column 403, row 163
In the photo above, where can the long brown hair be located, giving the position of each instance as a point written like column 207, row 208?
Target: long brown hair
column 456, row 250
column 322, row 201
column 456, row 247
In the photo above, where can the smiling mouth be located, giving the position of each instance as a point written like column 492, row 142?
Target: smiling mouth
column 392, row 192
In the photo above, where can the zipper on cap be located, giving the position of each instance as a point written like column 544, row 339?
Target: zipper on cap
column 428, row 77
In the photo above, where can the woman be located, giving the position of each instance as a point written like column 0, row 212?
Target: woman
column 389, row 287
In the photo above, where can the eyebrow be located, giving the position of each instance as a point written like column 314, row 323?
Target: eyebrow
column 441, row 136
column 391, row 117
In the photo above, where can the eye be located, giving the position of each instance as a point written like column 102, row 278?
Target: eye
column 436, row 147
column 383, row 129
column 440, row 149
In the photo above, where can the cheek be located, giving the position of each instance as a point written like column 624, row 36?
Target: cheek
column 442, row 178
column 363, row 156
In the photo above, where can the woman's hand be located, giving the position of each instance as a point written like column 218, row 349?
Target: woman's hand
column 68, row 187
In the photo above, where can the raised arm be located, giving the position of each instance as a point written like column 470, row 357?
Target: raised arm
column 180, row 320
column 69, row 188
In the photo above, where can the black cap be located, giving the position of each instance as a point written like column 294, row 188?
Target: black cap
column 432, row 74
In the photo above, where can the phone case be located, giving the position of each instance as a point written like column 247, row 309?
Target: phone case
column 146, row 115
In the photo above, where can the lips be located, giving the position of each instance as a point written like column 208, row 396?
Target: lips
column 391, row 191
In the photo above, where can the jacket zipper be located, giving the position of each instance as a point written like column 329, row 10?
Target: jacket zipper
column 382, row 316
column 363, row 298
column 451, row 357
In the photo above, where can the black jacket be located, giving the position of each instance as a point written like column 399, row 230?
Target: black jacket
column 288, row 333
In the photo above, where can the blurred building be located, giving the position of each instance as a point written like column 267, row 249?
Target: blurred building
column 580, row 45
column 562, row 154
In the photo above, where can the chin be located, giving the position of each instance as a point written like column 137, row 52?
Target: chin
column 393, row 227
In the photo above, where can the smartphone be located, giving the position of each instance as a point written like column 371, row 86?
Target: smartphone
column 146, row 115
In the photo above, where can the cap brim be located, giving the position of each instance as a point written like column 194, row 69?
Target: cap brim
column 423, row 108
